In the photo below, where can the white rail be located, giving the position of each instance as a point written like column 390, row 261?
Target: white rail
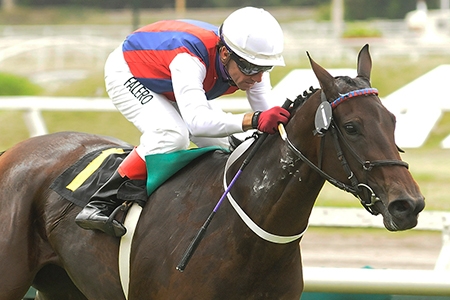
column 32, row 107
column 406, row 103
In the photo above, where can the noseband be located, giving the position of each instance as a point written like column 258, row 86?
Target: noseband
column 360, row 190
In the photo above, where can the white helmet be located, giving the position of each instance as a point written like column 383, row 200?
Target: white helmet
column 255, row 35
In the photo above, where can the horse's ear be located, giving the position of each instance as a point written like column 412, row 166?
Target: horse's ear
column 364, row 62
column 326, row 81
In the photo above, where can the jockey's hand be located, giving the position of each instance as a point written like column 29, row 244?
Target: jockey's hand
column 268, row 120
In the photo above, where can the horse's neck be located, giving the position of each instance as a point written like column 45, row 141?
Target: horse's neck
column 277, row 189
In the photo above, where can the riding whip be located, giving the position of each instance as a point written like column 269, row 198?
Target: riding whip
column 201, row 233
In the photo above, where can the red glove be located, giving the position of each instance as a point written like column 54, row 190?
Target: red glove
column 267, row 121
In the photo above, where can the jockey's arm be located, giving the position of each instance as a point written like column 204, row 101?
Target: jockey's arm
column 200, row 116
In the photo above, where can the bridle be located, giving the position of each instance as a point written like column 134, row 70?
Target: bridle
column 355, row 187
column 360, row 190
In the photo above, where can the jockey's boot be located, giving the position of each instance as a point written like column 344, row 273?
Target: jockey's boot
column 98, row 213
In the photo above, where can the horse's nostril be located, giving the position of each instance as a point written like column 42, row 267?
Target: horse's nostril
column 400, row 207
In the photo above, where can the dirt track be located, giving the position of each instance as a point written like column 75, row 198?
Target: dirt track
column 380, row 249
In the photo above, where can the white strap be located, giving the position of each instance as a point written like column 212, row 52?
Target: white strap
column 278, row 239
column 131, row 220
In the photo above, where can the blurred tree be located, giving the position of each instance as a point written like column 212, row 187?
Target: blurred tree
column 180, row 7
column 354, row 9
column 382, row 9
column 7, row 5
column 171, row 3
column 13, row 85
column 136, row 5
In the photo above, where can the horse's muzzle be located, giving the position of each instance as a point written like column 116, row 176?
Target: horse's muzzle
column 401, row 214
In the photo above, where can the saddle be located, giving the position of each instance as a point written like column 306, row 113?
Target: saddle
column 80, row 181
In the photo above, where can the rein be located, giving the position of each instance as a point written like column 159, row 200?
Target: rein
column 273, row 238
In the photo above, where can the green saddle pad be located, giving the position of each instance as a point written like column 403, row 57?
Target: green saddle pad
column 161, row 167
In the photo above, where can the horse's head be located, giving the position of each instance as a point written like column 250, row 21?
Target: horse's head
column 358, row 150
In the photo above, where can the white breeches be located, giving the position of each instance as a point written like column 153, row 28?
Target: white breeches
column 157, row 118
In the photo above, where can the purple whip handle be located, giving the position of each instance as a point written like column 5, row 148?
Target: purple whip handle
column 227, row 190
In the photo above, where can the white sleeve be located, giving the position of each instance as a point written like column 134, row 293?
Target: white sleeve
column 188, row 74
column 259, row 94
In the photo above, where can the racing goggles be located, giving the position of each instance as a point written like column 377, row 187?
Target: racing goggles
column 248, row 68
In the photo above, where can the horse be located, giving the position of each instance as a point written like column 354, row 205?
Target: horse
column 339, row 133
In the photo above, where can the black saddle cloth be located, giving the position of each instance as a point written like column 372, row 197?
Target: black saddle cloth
column 81, row 180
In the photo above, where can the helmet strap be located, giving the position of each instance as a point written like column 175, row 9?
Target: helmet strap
column 224, row 63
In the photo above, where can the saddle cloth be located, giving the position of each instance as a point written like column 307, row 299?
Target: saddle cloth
column 81, row 180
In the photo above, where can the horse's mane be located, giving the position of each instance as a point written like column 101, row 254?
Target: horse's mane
column 303, row 97
column 340, row 81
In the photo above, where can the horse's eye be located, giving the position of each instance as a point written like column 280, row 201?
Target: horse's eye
column 350, row 129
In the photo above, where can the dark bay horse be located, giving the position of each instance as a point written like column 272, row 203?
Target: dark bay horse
column 353, row 147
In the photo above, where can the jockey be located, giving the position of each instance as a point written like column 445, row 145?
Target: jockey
column 162, row 78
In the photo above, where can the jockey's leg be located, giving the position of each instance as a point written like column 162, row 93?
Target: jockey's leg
column 96, row 214
column 163, row 130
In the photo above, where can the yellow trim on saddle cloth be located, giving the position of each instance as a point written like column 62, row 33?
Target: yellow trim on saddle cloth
column 91, row 168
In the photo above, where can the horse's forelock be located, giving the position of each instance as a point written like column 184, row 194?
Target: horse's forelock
column 346, row 83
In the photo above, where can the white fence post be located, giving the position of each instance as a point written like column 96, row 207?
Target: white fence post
column 443, row 261
column 35, row 122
